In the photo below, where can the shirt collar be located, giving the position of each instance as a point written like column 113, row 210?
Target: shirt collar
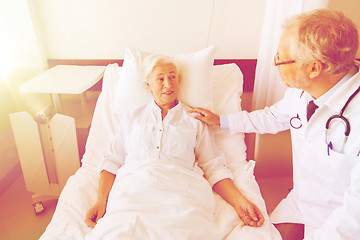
column 171, row 111
column 326, row 96
column 339, row 98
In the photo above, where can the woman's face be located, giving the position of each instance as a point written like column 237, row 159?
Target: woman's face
column 164, row 84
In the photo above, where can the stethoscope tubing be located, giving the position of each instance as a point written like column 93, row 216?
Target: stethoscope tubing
column 327, row 125
column 341, row 116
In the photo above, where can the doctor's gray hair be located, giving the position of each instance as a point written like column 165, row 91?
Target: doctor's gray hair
column 151, row 61
column 325, row 35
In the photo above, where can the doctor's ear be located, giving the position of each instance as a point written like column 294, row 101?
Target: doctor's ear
column 315, row 68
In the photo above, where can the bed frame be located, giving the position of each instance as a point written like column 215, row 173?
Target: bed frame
column 247, row 67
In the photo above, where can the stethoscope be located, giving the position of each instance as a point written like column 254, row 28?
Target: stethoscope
column 295, row 122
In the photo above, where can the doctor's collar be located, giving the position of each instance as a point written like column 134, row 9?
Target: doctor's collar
column 323, row 98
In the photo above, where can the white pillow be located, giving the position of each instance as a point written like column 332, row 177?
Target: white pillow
column 227, row 88
column 196, row 75
column 104, row 121
column 227, row 84
column 120, row 94
column 195, row 70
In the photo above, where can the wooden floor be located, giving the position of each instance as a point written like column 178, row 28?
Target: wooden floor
column 18, row 220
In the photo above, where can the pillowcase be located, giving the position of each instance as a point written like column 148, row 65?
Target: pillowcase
column 227, row 88
column 195, row 71
column 196, row 75
column 103, row 123
column 227, row 85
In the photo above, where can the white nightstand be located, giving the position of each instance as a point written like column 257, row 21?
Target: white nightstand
column 64, row 79
column 48, row 142
column 69, row 79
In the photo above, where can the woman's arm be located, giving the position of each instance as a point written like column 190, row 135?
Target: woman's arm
column 213, row 163
column 98, row 209
column 246, row 210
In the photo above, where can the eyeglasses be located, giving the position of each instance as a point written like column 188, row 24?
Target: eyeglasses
column 277, row 62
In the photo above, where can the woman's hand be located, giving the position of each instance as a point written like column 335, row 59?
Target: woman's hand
column 206, row 116
column 95, row 213
column 249, row 213
column 246, row 210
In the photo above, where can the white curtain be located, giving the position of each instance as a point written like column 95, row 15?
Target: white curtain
column 267, row 86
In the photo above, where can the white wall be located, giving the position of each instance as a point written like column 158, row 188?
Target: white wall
column 351, row 8
column 17, row 33
column 103, row 29
column 34, row 30
column 20, row 59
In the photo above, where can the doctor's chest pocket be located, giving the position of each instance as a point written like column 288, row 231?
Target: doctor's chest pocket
column 336, row 167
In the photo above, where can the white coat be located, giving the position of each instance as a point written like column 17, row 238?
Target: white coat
column 326, row 193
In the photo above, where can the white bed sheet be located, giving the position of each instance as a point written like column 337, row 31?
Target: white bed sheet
column 80, row 191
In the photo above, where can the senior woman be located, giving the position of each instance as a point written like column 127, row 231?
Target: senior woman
column 164, row 131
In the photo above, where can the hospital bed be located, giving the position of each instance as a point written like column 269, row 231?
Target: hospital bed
column 216, row 87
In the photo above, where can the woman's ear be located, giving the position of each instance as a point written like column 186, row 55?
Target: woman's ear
column 316, row 68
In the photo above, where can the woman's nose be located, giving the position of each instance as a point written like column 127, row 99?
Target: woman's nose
column 167, row 82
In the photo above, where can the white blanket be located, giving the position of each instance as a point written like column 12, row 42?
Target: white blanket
column 158, row 201
column 80, row 193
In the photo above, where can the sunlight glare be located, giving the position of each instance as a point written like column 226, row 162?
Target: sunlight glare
column 5, row 62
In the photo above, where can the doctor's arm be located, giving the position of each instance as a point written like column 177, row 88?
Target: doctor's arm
column 271, row 119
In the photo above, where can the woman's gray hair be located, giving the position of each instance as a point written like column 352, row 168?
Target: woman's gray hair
column 152, row 60
column 325, row 35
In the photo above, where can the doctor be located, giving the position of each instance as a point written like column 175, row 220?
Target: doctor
column 316, row 59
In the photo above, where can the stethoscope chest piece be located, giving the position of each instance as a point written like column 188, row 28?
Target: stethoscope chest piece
column 342, row 118
column 341, row 114
column 295, row 122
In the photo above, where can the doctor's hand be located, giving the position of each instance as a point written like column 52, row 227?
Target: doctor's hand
column 95, row 213
column 206, row 116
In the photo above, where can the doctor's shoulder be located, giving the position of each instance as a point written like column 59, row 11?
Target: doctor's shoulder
column 294, row 93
